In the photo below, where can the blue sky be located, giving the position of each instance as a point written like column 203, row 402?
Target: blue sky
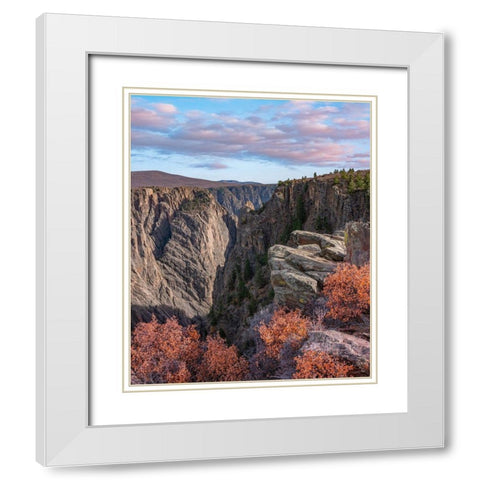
column 247, row 139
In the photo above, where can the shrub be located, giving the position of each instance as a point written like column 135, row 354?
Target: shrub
column 221, row 363
column 261, row 278
column 262, row 259
column 247, row 270
column 252, row 306
column 166, row 353
column 284, row 327
column 322, row 224
column 199, row 201
column 170, row 353
column 216, row 313
column 289, row 228
column 352, row 187
column 313, row 364
column 348, row 291
column 300, row 213
column 243, row 291
column 278, row 335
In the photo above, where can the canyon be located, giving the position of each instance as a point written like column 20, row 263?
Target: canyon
column 216, row 253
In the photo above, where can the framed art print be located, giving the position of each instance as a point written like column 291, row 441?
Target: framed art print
column 242, row 227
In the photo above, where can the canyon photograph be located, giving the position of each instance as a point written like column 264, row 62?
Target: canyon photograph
column 250, row 239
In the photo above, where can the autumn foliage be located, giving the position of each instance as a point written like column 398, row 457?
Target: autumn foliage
column 284, row 328
column 170, row 353
column 164, row 353
column 313, row 364
column 221, row 363
column 348, row 291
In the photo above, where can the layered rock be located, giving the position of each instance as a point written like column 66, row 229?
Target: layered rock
column 299, row 269
column 331, row 246
column 297, row 274
column 180, row 238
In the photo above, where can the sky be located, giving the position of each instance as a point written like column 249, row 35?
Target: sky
column 247, row 139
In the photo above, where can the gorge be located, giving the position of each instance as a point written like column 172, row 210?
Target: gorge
column 220, row 255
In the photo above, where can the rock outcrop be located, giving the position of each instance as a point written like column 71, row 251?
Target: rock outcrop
column 320, row 205
column 180, row 239
column 350, row 348
column 357, row 242
column 297, row 274
column 299, row 269
column 332, row 247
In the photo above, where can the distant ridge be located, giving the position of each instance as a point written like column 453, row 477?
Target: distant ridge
column 236, row 182
column 156, row 178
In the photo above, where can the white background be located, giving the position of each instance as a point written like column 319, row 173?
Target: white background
column 459, row 21
column 110, row 405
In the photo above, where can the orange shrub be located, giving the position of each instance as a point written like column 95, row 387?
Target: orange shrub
column 313, row 364
column 284, row 327
column 164, row 353
column 221, row 363
column 348, row 291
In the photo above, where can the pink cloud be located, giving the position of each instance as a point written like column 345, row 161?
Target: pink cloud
column 161, row 115
column 297, row 133
column 165, row 108
column 194, row 114
column 145, row 118
column 360, row 155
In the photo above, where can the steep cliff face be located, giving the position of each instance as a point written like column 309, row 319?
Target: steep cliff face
column 192, row 258
column 234, row 198
column 230, row 194
column 230, row 258
column 323, row 204
column 357, row 240
column 180, row 239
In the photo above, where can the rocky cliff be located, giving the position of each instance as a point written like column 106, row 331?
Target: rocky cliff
column 323, row 204
column 231, row 257
column 180, row 239
column 191, row 257
column 234, row 198
column 357, row 241
column 230, row 194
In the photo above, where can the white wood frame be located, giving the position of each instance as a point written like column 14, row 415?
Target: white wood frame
column 63, row 434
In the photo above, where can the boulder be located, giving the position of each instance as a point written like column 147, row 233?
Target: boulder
column 353, row 349
column 293, row 288
column 297, row 274
column 332, row 246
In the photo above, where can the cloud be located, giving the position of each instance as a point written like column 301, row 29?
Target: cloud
column 165, row 108
column 159, row 116
column 210, row 165
column 360, row 155
column 142, row 118
column 288, row 133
